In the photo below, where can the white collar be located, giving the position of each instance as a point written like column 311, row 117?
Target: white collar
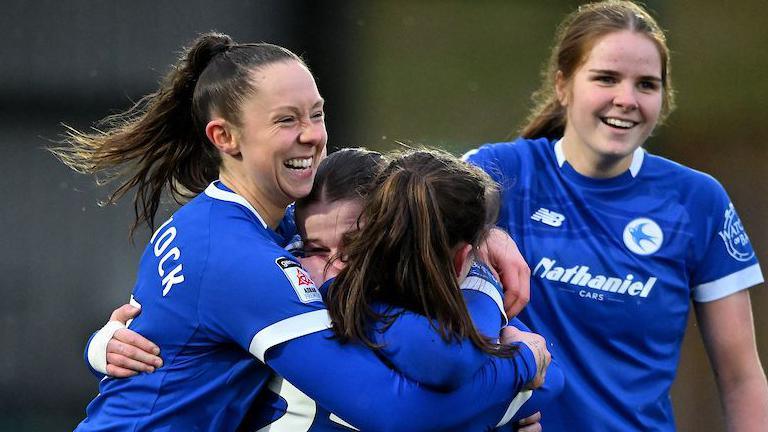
column 634, row 167
column 214, row 192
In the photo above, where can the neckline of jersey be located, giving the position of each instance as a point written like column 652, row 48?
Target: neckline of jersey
column 220, row 191
column 622, row 179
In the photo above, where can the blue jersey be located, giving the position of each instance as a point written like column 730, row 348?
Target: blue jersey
column 413, row 346
column 615, row 263
column 206, row 311
column 223, row 300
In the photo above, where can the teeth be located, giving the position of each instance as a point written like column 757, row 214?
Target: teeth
column 624, row 124
column 299, row 162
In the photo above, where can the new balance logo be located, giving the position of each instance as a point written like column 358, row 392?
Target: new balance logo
column 548, row 217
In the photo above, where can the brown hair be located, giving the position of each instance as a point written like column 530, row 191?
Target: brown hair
column 421, row 206
column 160, row 141
column 346, row 174
column 575, row 37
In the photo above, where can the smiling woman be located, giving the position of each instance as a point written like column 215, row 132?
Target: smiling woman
column 613, row 103
column 241, row 127
column 271, row 158
column 620, row 240
column 280, row 142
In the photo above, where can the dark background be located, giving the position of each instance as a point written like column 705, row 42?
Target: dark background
column 452, row 74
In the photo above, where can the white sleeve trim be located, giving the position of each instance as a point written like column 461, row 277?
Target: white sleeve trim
column 728, row 285
column 97, row 349
column 514, row 406
column 287, row 329
column 475, row 283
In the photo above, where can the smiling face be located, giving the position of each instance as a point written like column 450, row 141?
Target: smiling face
column 613, row 102
column 282, row 138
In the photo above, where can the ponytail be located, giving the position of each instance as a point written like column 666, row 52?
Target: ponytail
column 421, row 207
column 160, row 141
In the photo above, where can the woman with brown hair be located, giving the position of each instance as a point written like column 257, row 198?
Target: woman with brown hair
column 620, row 241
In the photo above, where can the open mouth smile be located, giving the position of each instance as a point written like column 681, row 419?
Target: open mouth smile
column 618, row 123
column 299, row 163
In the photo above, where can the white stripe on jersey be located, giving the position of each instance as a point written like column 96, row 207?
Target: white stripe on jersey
column 300, row 412
column 287, row 329
column 514, row 406
column 728, row 285
column 475, row 283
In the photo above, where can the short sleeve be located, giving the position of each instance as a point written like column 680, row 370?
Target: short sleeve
column 727, row 263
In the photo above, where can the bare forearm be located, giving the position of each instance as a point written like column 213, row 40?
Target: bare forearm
column 745, row 403
column 729, row 337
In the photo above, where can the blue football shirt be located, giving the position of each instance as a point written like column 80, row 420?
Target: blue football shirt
column 615, row 263
column 207, row 311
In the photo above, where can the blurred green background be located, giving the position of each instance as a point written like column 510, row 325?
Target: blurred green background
column 450, row 74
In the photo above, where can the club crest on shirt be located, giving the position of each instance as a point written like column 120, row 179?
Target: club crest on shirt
column 734, row 236
column 643, row 236
column 299, row 278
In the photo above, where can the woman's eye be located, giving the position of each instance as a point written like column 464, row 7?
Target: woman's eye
column 285, row 120
column 318, row 115
column 648, row 85
column 605, row 79
column 315, row 251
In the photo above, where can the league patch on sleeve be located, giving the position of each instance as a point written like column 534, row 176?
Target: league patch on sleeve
column 735, row 238
column 302, row 284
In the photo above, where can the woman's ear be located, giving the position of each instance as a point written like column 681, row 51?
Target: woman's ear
column 222, row 136
column 561, row 88
column 462, row 260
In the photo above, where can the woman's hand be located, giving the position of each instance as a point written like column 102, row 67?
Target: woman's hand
column 500, row 252
column 538, row 346
column 529, row 424
column 129, row 353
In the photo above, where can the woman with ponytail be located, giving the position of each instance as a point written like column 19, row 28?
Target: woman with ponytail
column 215, row 286
column 413, row 249
column 620, row 241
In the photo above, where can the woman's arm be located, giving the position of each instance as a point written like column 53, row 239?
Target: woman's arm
column 729, row 337
column 293, row 338
column 414, row 347
column 411, row 344
column 360, row 389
